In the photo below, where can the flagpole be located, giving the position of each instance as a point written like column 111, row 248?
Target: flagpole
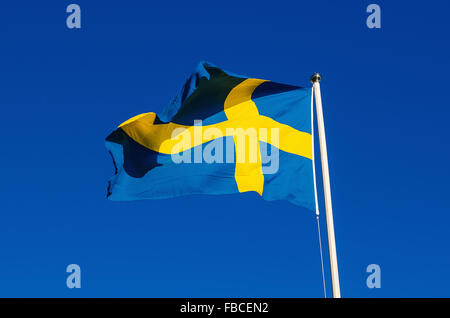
column 315, row 79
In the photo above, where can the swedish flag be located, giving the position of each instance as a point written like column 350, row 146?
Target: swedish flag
column 222, row 134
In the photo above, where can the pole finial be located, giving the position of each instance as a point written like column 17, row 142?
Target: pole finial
column 315, row 78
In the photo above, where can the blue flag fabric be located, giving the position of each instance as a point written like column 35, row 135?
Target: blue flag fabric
column 222, row 134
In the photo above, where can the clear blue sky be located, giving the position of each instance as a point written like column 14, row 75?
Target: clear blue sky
column 386, row 113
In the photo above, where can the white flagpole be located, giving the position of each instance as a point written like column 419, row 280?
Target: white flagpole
column 315, row 79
